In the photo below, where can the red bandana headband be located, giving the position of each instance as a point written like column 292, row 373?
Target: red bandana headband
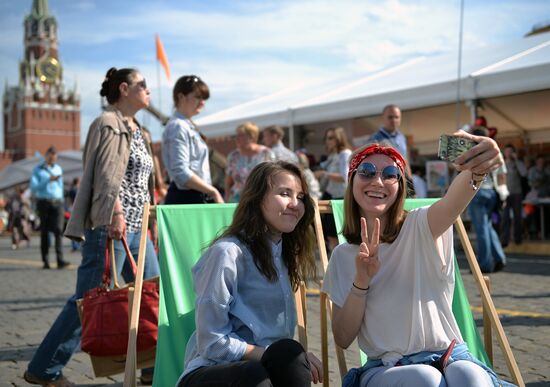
column 372, row 149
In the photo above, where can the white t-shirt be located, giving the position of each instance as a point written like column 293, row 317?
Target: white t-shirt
column 409, row 303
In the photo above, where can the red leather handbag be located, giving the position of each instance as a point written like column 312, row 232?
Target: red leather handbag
column 105, row 317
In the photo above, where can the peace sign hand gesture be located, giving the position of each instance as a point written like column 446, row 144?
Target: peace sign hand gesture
column 366, row 261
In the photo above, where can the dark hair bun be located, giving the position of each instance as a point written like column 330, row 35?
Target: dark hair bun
column 105, row 85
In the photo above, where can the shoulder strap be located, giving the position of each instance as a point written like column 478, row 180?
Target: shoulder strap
column 110, row 262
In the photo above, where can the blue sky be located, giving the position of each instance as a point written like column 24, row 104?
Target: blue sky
column 245, row 49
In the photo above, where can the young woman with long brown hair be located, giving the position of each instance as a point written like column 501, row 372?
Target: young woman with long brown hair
column 245, row 313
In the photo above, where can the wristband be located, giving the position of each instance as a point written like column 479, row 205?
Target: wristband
column 357, row 287
column 356, row 291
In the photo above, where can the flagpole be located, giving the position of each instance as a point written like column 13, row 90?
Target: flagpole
column 158, row 85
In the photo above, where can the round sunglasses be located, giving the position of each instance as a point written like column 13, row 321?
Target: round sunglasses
column 390, row 174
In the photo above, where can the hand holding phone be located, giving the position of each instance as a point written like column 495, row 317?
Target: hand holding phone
column 450, row 147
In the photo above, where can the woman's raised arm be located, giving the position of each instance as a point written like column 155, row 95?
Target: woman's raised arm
column 475, row 164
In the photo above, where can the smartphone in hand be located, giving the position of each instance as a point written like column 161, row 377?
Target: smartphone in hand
column 450, row 147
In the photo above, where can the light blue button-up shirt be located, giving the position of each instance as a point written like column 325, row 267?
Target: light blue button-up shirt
column 236, row 305
column 184, row 152
column 41, row 185
column 396, row 138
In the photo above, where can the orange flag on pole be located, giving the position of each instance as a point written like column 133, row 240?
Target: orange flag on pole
column 161, row 57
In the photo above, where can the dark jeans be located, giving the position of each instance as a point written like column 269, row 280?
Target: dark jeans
column 489, row 250
column 51, row 220
column 183, row 196
column 513, row 207
column 283, row 364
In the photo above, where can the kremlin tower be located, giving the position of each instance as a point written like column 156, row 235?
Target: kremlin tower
column 40, row 111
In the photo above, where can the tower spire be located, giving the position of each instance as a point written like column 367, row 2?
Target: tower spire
column 39, row 8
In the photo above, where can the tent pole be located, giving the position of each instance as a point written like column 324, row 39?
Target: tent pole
column 291, row 142
column 459, row 71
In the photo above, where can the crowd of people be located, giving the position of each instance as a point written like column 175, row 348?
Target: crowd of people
column 399, row 319
column 505, row 206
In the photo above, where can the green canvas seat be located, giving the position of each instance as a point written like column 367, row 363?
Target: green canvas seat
column 461, row 305
column 185, row 231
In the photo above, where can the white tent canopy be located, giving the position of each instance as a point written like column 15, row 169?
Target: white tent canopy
column 19, row 172
column 516, row 67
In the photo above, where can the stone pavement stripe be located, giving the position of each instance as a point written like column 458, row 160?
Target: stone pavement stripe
column 22, row 262
column 26, row 262
column 516, row 313
column 522, row 260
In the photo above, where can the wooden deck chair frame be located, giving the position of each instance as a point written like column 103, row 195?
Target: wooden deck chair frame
column 491, row 319
column 134, row 301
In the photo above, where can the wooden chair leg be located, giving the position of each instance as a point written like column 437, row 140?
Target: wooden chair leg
column 342, row 366
column 324, row 337
column 340, row 355
column 487, row 329
column 326, row 304
column 299, row 299
column 489, row 305
column 304, row 304
column 135, row 302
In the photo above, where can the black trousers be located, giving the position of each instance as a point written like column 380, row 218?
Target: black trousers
column 327, row 220
column 513, row 205
column 183, row 196
column 51, row 220
column 284, row 364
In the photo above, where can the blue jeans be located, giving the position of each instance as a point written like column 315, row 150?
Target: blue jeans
column 63, row 338
column 489, row 249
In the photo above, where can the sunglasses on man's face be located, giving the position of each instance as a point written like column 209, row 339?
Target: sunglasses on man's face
column 390, row 174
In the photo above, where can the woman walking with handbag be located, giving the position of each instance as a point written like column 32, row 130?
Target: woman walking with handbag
column 245, row 313
column 118, row 179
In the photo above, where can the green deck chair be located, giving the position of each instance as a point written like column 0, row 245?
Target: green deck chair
column 184, row 232
column 461, row 305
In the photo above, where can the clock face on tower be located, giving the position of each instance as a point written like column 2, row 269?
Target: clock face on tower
column 48, row 69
